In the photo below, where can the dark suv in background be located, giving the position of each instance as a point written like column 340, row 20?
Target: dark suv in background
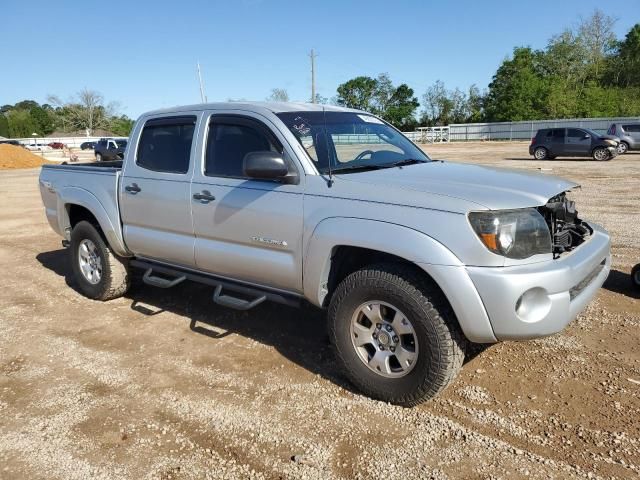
column 110, row 149
column 573, row 142
column 629, row 134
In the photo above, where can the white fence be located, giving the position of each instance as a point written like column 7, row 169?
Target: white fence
column 68, row 141
column 527, row 129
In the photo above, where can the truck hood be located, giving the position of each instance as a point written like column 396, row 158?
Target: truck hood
column 489, row 188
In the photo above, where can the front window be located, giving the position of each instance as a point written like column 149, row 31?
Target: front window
column 346, row 141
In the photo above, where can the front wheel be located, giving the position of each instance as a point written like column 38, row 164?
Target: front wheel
column 601, row 154
column 98, row 157
column 100, row 274
column 622, row 148
column 635, row 276
column 395, row 336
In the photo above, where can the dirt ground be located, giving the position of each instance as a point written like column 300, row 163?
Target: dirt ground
column 165, row 384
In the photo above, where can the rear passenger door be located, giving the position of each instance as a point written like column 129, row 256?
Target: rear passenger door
column 556, row 142
column 155, row 192
column 578, row 143
column 246, row 229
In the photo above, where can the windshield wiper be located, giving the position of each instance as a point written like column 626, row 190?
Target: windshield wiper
column 379, row 166
column 406, row 161
column 355, row 168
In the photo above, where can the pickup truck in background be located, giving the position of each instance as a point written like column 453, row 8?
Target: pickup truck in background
column 413, row 259
column 107, row 149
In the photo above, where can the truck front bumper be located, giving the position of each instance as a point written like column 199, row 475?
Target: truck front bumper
column 540, row 299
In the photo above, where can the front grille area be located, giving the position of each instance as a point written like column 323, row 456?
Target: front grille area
column 566, row 229
column 584, row 283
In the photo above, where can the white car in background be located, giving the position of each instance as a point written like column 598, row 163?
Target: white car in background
column 37, row 147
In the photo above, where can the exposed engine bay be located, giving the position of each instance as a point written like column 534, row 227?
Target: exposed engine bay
column 567, row 230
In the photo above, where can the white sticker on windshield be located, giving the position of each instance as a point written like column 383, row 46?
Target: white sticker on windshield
column 370, row 119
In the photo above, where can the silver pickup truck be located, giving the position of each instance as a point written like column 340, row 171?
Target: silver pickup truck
column 414, row 259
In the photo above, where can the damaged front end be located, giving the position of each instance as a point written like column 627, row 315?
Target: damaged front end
column 566, row 228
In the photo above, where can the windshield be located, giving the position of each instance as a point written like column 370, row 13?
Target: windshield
column 121, row 143
column 349, row 141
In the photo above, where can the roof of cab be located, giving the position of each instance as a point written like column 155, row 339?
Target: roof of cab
column 275, row 107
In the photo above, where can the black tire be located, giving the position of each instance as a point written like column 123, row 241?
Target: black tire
column 541, row 153
column 623, row 148
column 635, row 276
column 601, row 154
column 440, row 340
column 114, row 279
column 98, row 157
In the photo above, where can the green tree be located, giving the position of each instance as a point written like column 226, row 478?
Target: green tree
column 121, row 125
column 358, row 93
column 397, row 105
column 626, row 62
column 400, row 108
column 21, row 124
column 4, row 126
column 518, row 90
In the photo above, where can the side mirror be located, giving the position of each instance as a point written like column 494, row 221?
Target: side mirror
column 587, row 136
column 264, row 164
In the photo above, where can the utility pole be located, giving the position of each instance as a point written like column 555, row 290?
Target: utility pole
column 313, row 76
column 203, row 97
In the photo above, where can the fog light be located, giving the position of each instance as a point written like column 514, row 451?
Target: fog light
column 533, row 305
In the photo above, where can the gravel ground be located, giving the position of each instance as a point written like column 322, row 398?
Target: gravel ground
column 165, row 384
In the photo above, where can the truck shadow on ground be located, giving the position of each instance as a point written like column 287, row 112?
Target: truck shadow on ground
column 620, row 282
column 300, row 335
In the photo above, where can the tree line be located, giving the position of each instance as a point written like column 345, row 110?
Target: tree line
column 585, row 71
column 84, row 111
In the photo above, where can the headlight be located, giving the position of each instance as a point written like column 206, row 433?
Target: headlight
column 611, row 142
column 512, row 233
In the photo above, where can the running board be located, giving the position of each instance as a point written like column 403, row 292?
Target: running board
column 160, row 282
column 254, row 294
column 235, row 302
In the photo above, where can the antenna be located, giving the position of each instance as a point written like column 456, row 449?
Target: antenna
column 313, row 56
column 203, row 97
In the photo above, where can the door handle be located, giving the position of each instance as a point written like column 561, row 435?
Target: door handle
column 204, row 197
column 133, row 188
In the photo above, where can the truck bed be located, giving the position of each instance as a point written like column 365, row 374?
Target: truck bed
column 93, row 186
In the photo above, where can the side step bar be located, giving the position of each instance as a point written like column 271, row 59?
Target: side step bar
column 254, row 295
column 149, row 279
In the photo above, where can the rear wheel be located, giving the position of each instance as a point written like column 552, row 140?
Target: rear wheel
column 601, row 154
column 541, row 153
column 100, row 274
column 98, row 157
column 394, row 334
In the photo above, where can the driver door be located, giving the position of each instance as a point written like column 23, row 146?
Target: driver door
column 246, row 229
column 578, row 142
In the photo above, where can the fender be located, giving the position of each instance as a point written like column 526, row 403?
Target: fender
column 84, row 198
column 398, row 240
column 427, row 253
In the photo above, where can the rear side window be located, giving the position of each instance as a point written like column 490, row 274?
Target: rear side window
column 632, row 128
column 558, row 133
column 230, row 140
column 165, row 144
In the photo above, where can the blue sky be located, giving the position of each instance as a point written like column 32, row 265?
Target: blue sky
column 142, row 54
